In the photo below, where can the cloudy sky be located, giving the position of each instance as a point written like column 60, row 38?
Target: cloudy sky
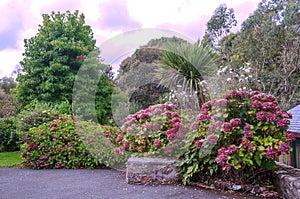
column 19, row 19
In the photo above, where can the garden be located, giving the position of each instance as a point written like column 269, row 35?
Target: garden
column 215, row 106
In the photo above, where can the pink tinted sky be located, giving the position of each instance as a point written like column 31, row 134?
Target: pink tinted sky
column 108, row 18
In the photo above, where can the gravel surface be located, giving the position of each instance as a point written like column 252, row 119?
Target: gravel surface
column 99, row 183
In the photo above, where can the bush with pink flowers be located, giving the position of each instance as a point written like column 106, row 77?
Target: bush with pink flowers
column 57, row 145
column 238, row 136
column 148, row 131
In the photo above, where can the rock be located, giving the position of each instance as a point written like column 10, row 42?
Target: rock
column 236, row 187
column 151, row 170
column 288, row 181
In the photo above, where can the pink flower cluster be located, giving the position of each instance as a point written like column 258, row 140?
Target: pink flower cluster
column 271, row 153
column 157, row 143
column 284, row 147
column 198, row 144
column 151, row 126
column 223, row 154
column 247, row 131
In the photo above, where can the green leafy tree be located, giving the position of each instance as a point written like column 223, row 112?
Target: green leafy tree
column 53, row 57
column 219, row 25
column 268, row 48
column 93, row 89
column 7, row 84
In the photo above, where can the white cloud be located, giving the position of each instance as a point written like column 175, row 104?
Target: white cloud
column 9, row 59
column 184, row 16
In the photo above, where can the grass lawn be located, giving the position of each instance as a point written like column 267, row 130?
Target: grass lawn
column 8, row 159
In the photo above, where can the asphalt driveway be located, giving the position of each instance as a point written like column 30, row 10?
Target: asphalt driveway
column 99, row 183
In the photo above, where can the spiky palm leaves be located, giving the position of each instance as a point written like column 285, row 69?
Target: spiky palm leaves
column 187, row 66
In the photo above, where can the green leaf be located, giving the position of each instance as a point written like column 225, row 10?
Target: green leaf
column 257, row 158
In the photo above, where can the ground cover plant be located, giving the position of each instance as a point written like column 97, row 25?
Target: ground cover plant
column 9, row 159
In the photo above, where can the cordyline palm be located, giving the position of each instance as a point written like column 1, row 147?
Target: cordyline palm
column 186, row 65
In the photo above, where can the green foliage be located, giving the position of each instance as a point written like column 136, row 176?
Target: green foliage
column 9, row 139
column 187, row 66
column 34, row 115
column 56, row 145
column 7, row 84
column 53, row 57
column 8, row 104
column 9, row 159
column 268, row 45
column 219, row 25
column 241, row 135
column 92, row 90
column 101, row 142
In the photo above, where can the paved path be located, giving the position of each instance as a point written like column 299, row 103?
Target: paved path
column 99, row 183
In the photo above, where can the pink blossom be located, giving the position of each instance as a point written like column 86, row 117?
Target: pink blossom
column 198, row 144
column 177, row 125
column 155, row 126
column 157, row 143
column 206, row 105
column 126, row 144
column 247, row 132
column 212, row 138
column 168, row 114
column 236, row 122
column 119, row 138
column 271, row 153
column 32, row 146
column 245, row 142
column 260, row 115
column 256, row 104
column 250, row 147
column 290, row 136
column 194, row 125
column 221, row 158
column 271, row 117
column 203, row 117
column 283, row 123
column 221, row 103
column 227, row 166
column 171, row 136
column 226, row 96
column 175, row 119
column 157, row 111
column 232, row 149
column 286, row 115
column 175, row 114
column 284, row 147
column 227, row 127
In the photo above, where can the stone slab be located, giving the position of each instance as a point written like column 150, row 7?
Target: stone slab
column 151, row 170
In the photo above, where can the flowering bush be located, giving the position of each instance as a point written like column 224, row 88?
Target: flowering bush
column 160, row 126
column 57, row 145
column 101, row 141
column 242, row 132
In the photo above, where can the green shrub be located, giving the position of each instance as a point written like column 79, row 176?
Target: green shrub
column 34, row 115
column 101, row 142
column 238, row 136
column 57, row 145
column 9, row 139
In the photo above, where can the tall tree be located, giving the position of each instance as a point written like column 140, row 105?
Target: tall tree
column 267, row 47
column 53, row 57
column 219, row 25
